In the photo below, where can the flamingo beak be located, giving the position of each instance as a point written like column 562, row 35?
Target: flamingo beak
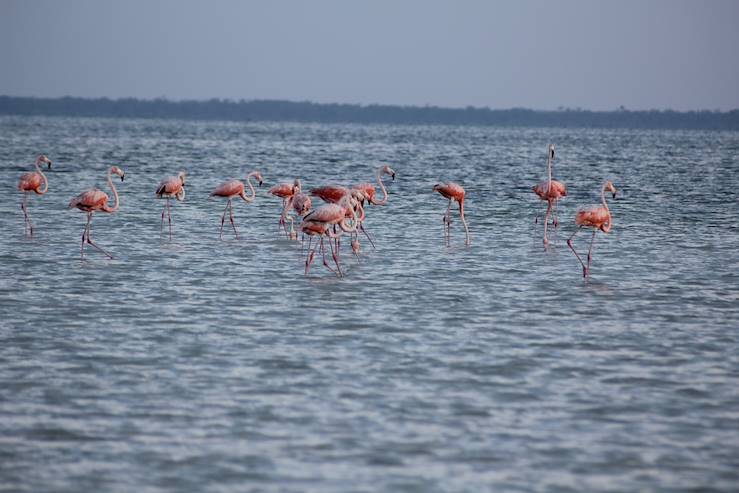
column 49, row 164
column 260, row 183
column 122, row 176
column 392, row 176
column 614, row 195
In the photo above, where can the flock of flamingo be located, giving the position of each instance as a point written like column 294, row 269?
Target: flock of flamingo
column 342, row 213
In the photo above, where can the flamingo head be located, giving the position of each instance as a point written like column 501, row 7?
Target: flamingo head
column 118, row 171
column 43, row 159
column 388, row 171
column 182, row 175
column 258, row 176
column 297, row 187
column 609, row 186
column 438, row 187
column 551, row 151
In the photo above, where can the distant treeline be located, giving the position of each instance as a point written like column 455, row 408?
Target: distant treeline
column 269, row 110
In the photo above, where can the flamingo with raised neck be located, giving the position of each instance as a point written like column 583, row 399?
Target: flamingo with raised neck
column 596, row 217
column 36, row 182
column 95, row 200
column 235, row 188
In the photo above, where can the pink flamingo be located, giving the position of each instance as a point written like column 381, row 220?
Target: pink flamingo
column 171, row 186
column 302, row 206
column 96, row 200
column 286, row 192
column 319, row 221
column 551, row 191
column 36, row 182
column 232, row 189
column 596, row 217
column 368, row 189
column 453, row 191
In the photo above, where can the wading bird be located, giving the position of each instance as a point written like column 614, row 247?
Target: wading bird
column 232, row 189
column 551, row 191
column 36, row 182
column 96, row 200
column 368, row 189
column 319, row 222
column 596, row 217
column 171, row 186
column 286, row 192
column 453, row 191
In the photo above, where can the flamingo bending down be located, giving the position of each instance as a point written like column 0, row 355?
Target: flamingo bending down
column 319, row 221
column 36, row 182
column 551, row 191
column 453, row 191
column 286, row 192
column 235, row 188
column 301, row 203
column 171, row 186
column 596, row 217
column 96, row 200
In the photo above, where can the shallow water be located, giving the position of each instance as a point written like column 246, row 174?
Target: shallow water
column 200, row 364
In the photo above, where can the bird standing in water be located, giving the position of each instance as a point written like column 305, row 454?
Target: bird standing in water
column 36, row 182
column 596, row 217
column 453, row 191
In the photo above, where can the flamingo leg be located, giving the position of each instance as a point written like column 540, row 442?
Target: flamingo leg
column 84, row 235
column 323, row 254
column 309, row 256
column 555, row 216
column 231, row 217
column 361, row 227
column 569, row 244
column 590, row 250
column 223, row 217
column 161, row 224
column 89, row 238
column 336, row 259
column 169, row 218
column 26, row 219
column 546, row 221
column 464, row 223
column 447, row 223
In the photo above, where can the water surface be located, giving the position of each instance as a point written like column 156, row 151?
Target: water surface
column 207, row 365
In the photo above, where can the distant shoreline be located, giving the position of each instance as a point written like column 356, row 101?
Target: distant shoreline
column 284, row 111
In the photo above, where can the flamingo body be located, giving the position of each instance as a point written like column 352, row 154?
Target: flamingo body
column 593, row 217
column 282, row 190
column 229, row 189
column 171, row 186
column 546, row 191
column 90, row 201
column 596, row 217
column 31, row 182
column 453, row 191
column 330, row 193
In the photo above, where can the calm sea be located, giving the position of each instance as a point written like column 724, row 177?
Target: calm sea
column 207, row 365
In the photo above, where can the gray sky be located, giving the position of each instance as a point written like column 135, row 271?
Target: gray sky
column 536, row 54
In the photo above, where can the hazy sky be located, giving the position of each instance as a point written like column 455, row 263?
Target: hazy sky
column 537, row 54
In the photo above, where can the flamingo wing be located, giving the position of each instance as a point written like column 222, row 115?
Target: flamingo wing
column 282, row 190
column 171, row 185
column 30, row 182
column 229, row 189
column 593, row 217
column 329, row 213
column 301, row 203
column 90, row 200
column 330, row 193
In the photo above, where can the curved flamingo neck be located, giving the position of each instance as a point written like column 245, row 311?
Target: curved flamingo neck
column 251, row 187
column 549, row 169
column 115, row 194
column 607, row 225
column 464, row 221
column 43, row 177
column 382, row 187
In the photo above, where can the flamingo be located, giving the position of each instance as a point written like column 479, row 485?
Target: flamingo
column 318, row 222
column 301, row 203
column 171, row 186
column 96, row 200
column 551, row 191
column 36, row 182
column 368, row 189
column 235, row 188
column 453, row 191
column 286, row 192
column 596, row 217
